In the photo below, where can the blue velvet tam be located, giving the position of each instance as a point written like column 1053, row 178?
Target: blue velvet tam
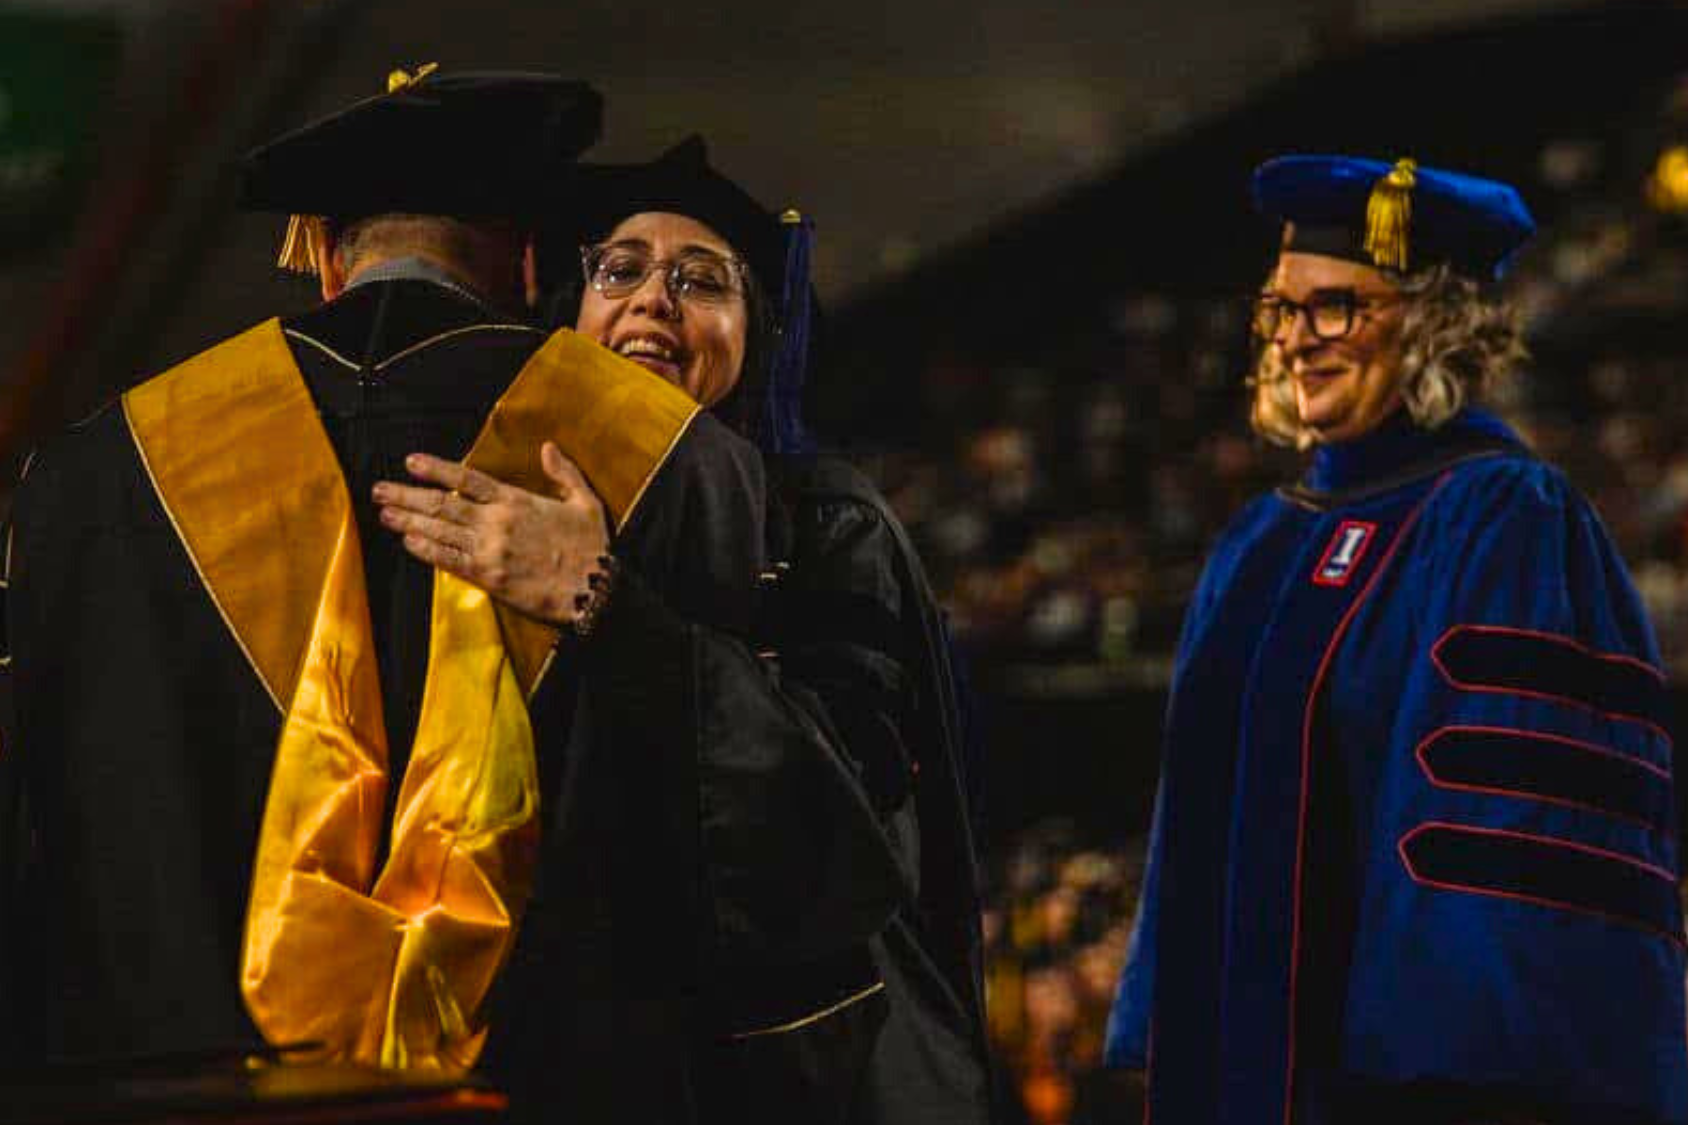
column 1397, row 217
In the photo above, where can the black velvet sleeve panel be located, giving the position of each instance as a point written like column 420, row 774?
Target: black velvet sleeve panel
column 838, row 624
column 802, row 762
column 793, row 732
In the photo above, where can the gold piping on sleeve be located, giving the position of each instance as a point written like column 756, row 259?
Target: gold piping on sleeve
column 539, row 676
column 815, row 1017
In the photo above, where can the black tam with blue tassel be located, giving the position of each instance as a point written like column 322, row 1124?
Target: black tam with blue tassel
column 777, row 247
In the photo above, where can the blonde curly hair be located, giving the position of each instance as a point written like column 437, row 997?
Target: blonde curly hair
column 1457, row 343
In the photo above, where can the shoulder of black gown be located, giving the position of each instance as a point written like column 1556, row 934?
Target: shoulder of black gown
column 89, row 472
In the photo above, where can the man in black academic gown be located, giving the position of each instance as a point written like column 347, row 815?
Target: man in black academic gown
column 223, row 667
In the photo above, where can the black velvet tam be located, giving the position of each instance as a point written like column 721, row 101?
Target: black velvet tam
column 480, row 143
column 597, row 197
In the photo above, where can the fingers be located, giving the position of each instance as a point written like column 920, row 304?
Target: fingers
column 562, row 471
column 435, row 553
column 450, row 534
column 473, row 483
column 423, row 501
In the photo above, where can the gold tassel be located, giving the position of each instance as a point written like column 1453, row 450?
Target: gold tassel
column 1389, row 217
column 303, row 245
column 1667, row 187
column 399, row 78
column 791, row 216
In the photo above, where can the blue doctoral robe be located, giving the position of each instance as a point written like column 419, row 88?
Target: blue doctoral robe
column 1414, row 851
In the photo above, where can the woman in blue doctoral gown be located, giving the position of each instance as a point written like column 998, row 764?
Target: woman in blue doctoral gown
column 1414, row 854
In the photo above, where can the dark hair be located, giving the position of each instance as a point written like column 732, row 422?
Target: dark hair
column 742, row 407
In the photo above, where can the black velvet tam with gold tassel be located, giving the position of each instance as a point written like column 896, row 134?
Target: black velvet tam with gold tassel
column 475, row 144
column 1398, row 217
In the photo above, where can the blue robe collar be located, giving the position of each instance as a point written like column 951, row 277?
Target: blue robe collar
column 1395, row 447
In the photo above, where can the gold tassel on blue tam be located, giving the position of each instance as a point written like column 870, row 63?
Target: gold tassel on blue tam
column 1393, row 217
column 1389, row 217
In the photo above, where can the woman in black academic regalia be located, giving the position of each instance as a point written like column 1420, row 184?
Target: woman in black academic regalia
column 762, row 904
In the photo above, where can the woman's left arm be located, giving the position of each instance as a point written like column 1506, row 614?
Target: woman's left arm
column 794, row 735
column 773, row 720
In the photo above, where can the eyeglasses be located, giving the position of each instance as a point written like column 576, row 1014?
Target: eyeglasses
column 1331, row 314
column 700, row 277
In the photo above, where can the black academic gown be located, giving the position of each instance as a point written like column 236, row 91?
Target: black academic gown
column 760, row 902
column 731, row 902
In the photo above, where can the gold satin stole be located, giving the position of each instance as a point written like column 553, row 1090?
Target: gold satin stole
column 389, row 968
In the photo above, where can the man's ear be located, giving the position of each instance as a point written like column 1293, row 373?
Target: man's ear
column 331, row 269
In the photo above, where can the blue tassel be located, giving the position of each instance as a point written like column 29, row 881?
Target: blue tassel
column 784, row 429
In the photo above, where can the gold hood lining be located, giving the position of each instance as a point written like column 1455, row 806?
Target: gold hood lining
column 389, row 969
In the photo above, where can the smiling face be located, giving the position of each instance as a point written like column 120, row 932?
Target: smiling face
column 1344, row 387
column 698, row 345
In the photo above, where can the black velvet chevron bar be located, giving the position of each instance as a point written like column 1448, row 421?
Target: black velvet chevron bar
column 1488, row 658
column 1540, row 766
column 1544, row 871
